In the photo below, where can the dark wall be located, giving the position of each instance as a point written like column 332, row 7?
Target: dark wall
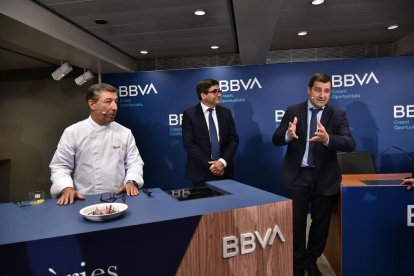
column 33, row 115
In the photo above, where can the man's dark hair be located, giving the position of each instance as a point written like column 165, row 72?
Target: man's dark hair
column 204, row 86
column 95, row 90
column 324, row 78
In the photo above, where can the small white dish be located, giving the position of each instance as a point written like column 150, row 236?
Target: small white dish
column 119, row 209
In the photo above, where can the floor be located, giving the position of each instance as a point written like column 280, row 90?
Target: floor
column 324, row 267
column 322, row 263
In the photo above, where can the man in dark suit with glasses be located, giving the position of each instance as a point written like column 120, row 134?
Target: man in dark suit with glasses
column 209, row 136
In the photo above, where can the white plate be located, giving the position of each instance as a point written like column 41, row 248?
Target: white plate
column 120, row 207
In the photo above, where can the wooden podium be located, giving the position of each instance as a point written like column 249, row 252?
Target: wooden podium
column 333, row 249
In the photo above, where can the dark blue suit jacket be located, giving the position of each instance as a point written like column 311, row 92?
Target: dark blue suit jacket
column 326, row 163
column 196, row 141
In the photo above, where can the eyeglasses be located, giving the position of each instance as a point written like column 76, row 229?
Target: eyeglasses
column 108, row 197
column 215, row 91
column 22, row 204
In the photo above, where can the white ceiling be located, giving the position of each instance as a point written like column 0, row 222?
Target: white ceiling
column 42, row 33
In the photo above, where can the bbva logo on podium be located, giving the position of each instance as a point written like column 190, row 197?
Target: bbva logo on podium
column 231, row 246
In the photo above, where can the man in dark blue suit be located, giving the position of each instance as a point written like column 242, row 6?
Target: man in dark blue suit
column 209, row 136
column 310, row 170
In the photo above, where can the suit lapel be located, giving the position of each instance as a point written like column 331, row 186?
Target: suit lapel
column 202, row 119
column 326, row 115
column 303, row 119
column 220, row 120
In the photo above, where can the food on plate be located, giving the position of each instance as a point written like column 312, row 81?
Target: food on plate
column 109, row 209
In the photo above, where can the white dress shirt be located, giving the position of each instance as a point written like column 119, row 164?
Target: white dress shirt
column 95, row 159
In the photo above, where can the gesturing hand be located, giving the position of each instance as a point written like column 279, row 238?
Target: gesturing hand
column 320, row 135
column 291, row 132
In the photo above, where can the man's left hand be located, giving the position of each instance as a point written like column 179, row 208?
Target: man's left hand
column 129, row 188
column 320, row 136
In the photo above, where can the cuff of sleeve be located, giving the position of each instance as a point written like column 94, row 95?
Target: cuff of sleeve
column 60, row 183
column 223, row 161
column 137, row 179
column 287, row 140
column 56, row 190
column 327, row 143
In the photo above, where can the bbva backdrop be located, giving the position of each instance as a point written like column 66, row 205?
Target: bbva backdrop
column 377, row 94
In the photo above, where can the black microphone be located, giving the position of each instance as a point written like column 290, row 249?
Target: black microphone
column 409, row 159
column 379, row 155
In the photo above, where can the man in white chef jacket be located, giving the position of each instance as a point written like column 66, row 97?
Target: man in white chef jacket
column 96, row 155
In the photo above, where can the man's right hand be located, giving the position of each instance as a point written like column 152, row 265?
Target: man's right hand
column 68, row 196
column 216, row 168
column 291, row 132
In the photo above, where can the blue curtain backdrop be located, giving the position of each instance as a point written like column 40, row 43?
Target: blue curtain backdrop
column 377, row 94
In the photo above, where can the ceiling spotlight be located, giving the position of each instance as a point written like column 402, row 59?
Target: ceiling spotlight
column 143, row 52
column 200, row 12
column 84, row 78
column 302, row 33
column 317, row 2
column 62, row 71
column 214, row 47
column 392, row 27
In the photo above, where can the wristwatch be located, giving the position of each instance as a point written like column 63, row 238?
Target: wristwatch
column 133, row 182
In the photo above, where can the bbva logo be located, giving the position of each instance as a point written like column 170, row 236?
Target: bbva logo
column 239, row 84
column 247, row 242
column 135, row 90
column 349, row 80
column 401, row 111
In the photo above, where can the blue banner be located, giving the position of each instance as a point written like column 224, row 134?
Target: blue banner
column 377, row 95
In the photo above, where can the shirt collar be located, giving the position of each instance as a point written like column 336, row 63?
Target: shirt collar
column 95, row 125
column 204, row 107
column 310, row 105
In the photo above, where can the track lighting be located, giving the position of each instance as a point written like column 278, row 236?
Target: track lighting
column 86, row 76
column 62, row 71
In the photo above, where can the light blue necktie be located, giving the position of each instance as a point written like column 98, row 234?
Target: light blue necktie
column 215, row 145
column 312, row 129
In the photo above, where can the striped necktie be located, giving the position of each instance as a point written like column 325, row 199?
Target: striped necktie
column 312, row 129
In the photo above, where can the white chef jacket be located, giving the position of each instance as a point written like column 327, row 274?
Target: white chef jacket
column 95, row 159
